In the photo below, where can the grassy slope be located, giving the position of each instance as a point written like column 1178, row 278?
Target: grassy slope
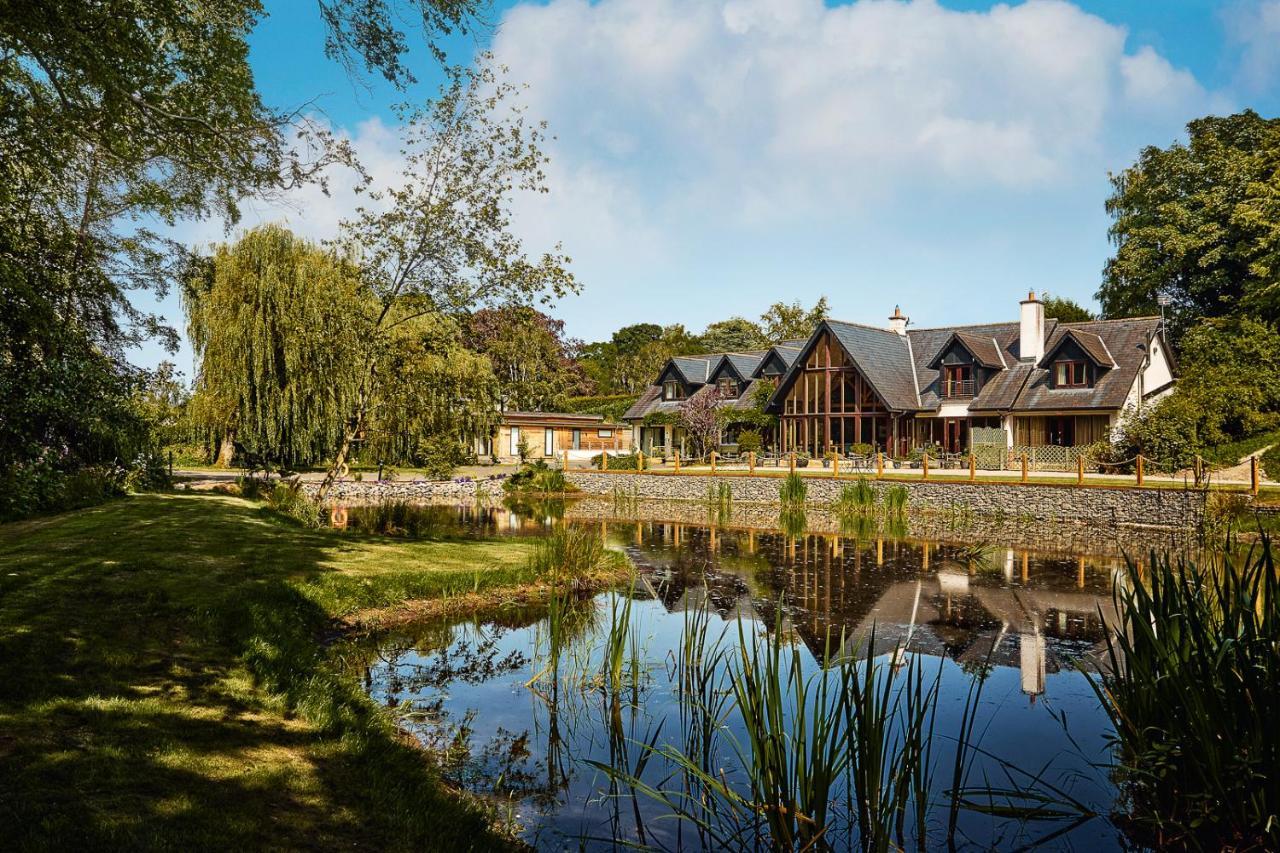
column 161, row 683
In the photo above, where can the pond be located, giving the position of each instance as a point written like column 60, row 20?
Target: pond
column 582, row 725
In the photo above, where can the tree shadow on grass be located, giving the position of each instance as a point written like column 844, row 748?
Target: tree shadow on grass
column 153, row 653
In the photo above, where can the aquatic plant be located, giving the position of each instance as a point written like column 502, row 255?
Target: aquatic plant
column 793, row 490
column 624, row 501
column 720, row 501
column 400, row 518
column 569, row 551
column 1193, row 691
column 792, row 520
column 856, row 497
column 895, row 500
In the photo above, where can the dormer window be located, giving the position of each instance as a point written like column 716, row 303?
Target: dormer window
column 727, row 387
column 957, row 381
column 1070, row 374
column 671, row 390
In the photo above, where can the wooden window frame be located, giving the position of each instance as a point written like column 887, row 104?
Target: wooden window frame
column 1066, row 368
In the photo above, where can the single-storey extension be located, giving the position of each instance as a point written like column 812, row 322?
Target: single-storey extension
column 547, row 435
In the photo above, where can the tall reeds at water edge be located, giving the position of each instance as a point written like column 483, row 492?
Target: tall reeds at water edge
column 1193, row 690
column 778, row 752
column 793, row 490
column 569, row 551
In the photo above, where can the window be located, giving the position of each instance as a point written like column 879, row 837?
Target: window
column 671, row 390
column 1069, row 374
column 604, row 433
column 515, row 441
column 727, row 387
column 549, row 442
column 957, row 381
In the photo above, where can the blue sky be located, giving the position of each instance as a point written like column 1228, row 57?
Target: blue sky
column 714, row 156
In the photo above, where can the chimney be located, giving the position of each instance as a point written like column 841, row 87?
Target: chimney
column 898, row 323
column 1031, row 337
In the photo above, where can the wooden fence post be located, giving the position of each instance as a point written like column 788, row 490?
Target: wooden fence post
column 793, row 461
column 835, row 467
column 924, row 466
column 604, row 459
column 880, row 465
column 1024, row 467
column 675, row 458
column 713, row 462
column 640, row 460
column 1199, row 468
column 1253, row 475
column 1139, row 471
column 566, row 460
column 1079, row 470
column 751, row 461
column 973, row 467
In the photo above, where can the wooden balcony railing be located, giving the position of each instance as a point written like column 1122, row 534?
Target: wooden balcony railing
column 957, row 389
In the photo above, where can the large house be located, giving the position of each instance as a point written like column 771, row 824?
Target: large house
column 1033, row 382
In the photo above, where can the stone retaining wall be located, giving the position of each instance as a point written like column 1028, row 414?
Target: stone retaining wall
column 1090, row 505
column 408, row 490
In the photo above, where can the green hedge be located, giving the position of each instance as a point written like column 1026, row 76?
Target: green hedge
column 611, row 406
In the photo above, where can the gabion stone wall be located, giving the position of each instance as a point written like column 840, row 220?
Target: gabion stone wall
column 1116, row 505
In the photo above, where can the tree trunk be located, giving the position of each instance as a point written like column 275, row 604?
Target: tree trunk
column 344, row 450
column 226, row 451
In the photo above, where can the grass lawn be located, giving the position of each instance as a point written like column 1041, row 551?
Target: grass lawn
column 163, row 683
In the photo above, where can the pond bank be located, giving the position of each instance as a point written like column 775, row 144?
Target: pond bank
column 1174, row 508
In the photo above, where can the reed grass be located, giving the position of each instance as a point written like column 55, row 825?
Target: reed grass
column 858, row 497
column 1192, row 688
column 793, row 490
column 400, row 518
column 569, row 552
column 895, row 500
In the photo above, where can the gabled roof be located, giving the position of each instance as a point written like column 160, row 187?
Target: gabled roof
column 884, row 358
column 695, row 369
column 1126, row 341
column 1092, row 344
column 641, row 407
column 984, row 349
column 743, row 364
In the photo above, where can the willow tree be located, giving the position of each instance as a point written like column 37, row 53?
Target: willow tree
column 441, row 241
column 277, row 325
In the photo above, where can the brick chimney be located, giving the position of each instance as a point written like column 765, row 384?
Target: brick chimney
column 898, row 323
column 1031, row 333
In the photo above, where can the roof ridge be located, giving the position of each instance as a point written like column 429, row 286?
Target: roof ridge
column 960, row 326
column 861, row 326
column 1108, row 320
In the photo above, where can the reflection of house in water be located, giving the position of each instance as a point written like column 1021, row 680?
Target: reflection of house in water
column 989, row 607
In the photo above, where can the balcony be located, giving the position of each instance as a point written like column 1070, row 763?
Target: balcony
column 956, row 389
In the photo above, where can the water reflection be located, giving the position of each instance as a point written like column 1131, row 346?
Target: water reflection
column 518, row 708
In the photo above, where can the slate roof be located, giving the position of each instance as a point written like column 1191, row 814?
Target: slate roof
column 1093, row 345
column 745, row 363
column 900, row 368
column 1125, row 340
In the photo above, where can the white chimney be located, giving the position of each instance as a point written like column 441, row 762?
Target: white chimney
column 898, row 323
column 1031, row 337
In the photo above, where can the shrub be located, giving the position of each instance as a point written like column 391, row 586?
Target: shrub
column 1271, row 463
column 291, row 501
column 41, row 486
column 1167, row 433
column 150, row 473
column 750, row 441
column 440, row 456
column 537, row 476
column 620, row 461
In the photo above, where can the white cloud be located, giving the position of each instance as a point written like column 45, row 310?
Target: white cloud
column 750, row 108
column 1255, row 27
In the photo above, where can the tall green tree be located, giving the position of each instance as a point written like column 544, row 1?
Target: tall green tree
column 530, row 356
column 441, row 240
column 1199, row 224
column 277, row 325
column 1064, row 309
column 783, row 322
column 733, row 335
